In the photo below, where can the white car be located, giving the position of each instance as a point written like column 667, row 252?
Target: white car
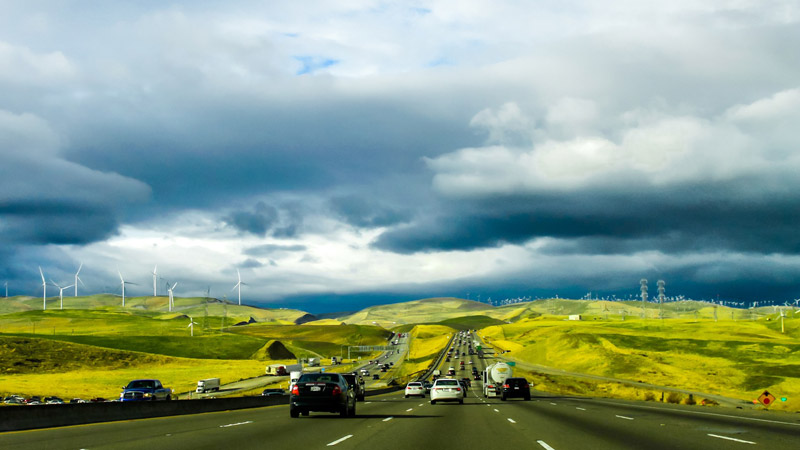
column 415, row 388
column 446, row 390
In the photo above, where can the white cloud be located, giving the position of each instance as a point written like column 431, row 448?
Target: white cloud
column 21, row 65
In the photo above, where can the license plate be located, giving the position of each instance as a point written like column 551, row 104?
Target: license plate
column 315, row 388
column 516, row 387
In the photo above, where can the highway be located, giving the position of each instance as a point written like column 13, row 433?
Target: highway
column 391, row 421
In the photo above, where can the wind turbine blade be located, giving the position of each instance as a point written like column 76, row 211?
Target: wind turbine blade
column 67, row 287
column 79, row 269
column 120, row 276
column 42, row 274
column 238, row 275
column 79, row 279
column 173, row 286
column 155, row 270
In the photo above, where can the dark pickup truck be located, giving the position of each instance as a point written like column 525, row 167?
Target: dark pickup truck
column 144, row 390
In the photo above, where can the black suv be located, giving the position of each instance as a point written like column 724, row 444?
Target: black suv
column 357, row 383
column 516, row 387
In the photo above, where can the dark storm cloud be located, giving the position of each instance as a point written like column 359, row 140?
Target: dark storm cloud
column 257, row 222
column 45, row 199
column 271, row 249
column 361, row 212
column 690, row 218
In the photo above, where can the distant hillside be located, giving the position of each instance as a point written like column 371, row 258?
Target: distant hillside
column 189, row 306
column 427, row 310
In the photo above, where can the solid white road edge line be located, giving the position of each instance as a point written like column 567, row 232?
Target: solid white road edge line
column 388, row 418
column 626, row 418
column 340, row 440
column 704, row 413
column 235, row 424
column 544, row 444
column 731, row 439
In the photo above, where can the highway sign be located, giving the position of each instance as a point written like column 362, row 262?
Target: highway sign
column 766, row 398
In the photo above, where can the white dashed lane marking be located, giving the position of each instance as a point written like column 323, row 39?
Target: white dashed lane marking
column 582, row 409
column 235, row 424
column 388, row 418
column 731, row 439
column 340, row 440
column 496, row 410
column 544, row 444
column 409, row 409
column 511, row 420
column 626, row 418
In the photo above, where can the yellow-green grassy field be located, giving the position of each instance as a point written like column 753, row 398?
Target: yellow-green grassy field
column 738, row 359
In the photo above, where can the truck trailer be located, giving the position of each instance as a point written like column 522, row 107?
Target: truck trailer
column 493, row 378
column 209, row 384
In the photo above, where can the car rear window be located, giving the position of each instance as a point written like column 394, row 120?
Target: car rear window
column 446, row 383
column 320, row 377
column 415, row 384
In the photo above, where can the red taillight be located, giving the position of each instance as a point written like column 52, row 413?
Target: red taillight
column 295, row 390
column 507, row 386
column 336, row 390
column 458, row 389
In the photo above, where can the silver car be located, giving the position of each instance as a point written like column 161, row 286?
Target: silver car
column 415, row 388
column 447, row 390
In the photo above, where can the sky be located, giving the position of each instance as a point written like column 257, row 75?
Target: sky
column 348, row 153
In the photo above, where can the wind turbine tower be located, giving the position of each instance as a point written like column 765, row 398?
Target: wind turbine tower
column 60, row 293
column 123, row 282
column 171, row 298
column 6, row 285
column 239, row 286
column 192, row 323
column 44, row 287
column 77, row 279
column 155, row 275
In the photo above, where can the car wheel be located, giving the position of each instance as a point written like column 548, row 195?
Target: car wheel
column 169, row 398
column 306, row 413
column 361, row 398
column 461, row 402
column 527, row 397
column 406, row 395
column 353, row 410
column 343, row 412
column 294, row 413
column 433, row 402
column 503, row 398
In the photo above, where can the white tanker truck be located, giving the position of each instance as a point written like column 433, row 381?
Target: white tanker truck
column 493, row 378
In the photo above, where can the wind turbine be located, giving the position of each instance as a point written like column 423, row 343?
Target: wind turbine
column 171, row 298
column 77, row 279
column 44, row 287
column 123, row 282
column 192, row 323
column 239, row 286
column 155, row 275
column 60, row 292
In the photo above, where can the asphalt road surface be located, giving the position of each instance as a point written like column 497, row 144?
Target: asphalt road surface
column 391, row 421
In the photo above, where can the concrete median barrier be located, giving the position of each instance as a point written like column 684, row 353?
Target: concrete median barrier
column 13, row 418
